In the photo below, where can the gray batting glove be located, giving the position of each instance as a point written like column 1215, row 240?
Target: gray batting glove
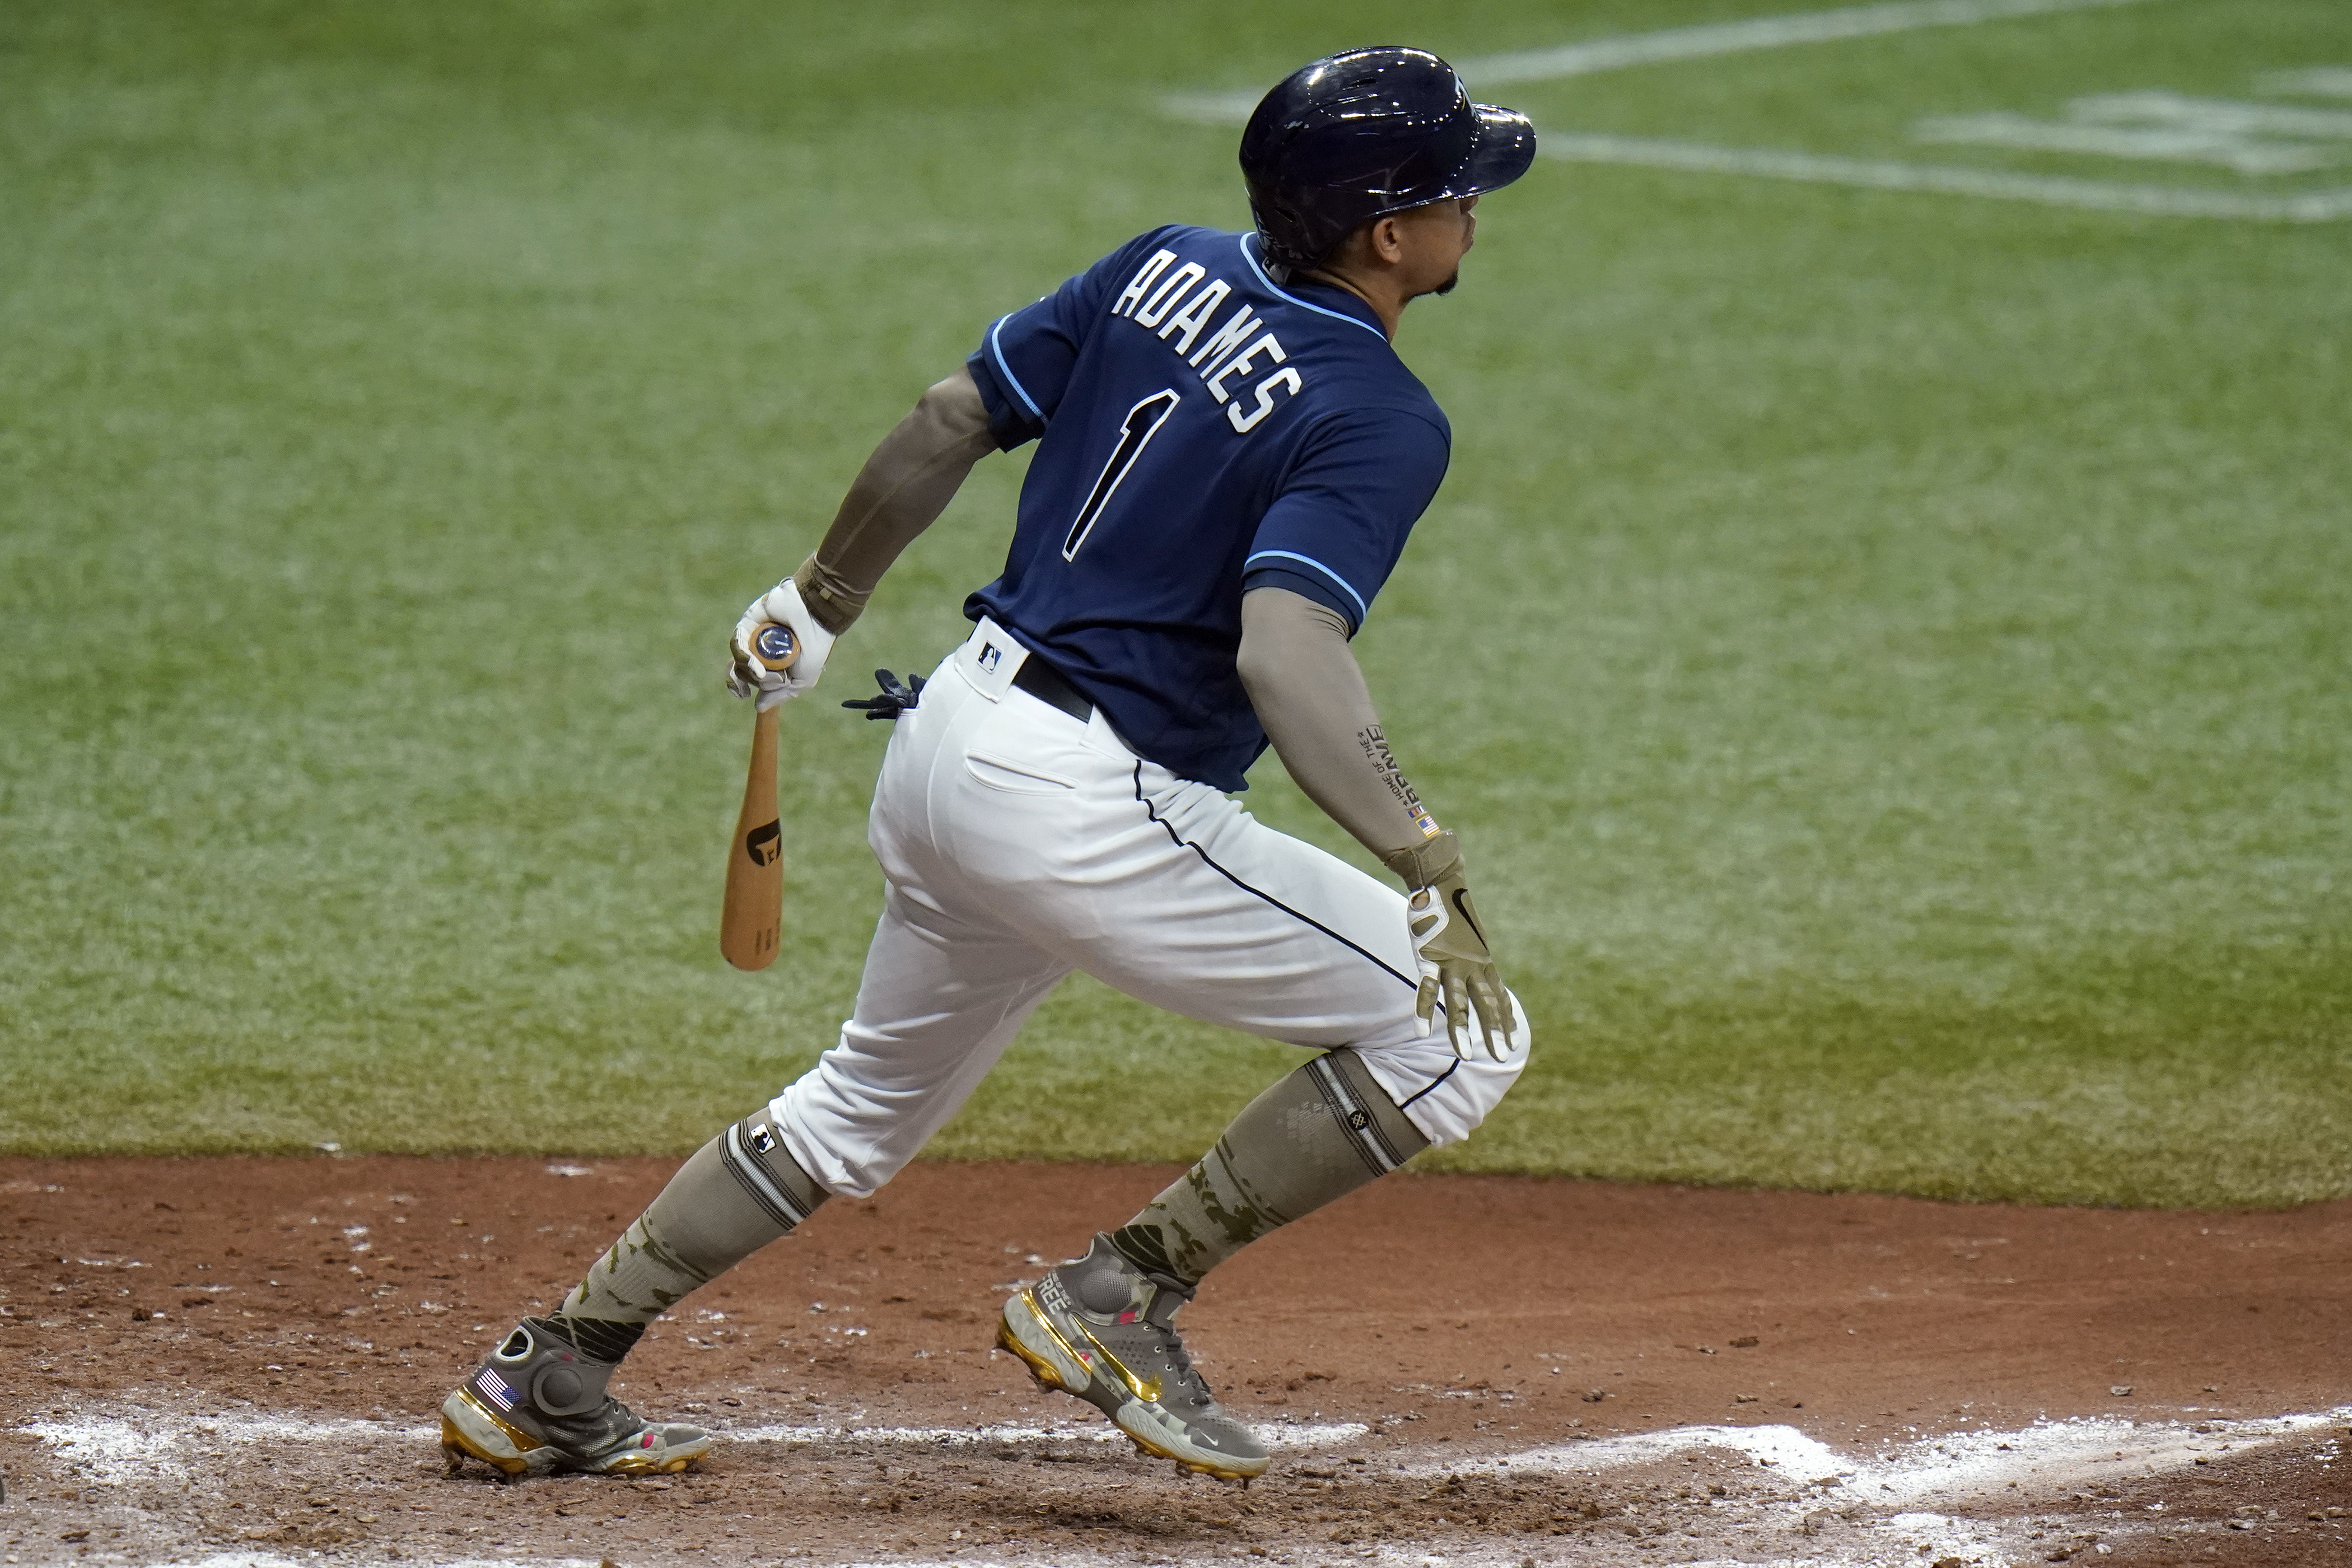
column 746, row 677
column 1449, row 946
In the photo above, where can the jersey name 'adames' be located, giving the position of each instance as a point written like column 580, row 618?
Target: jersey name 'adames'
column 1204, row 432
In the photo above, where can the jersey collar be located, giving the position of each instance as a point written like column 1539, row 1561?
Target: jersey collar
column 1343, row 305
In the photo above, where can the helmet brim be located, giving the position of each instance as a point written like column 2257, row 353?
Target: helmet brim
column 1505, row 150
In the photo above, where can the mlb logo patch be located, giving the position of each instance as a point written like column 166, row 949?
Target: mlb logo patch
column 989, row 655
column 763, row 1138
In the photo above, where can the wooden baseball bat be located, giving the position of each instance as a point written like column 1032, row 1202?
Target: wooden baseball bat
column 752, row 921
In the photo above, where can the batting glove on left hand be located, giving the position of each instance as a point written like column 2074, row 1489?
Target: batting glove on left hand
column 746, row 677
column 1457, row 971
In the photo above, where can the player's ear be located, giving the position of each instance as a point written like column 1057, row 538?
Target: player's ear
column 1388, row 243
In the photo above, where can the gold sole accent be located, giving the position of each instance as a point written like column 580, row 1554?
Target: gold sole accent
column 1145, row 1389
column 457, row 1447
column 1219, row 1473
column 1077, row 1357
column 1194, row 1466
column 649, row 1467
column 523, row 1441
column 1041, row 1371
column 1048, row 1378
column 470, row 1429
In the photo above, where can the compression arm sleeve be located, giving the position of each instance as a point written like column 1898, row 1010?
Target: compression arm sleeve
column 899, row 492
column 1310, row 696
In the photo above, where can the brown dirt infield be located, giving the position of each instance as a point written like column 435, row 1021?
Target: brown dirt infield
column 229, row 1360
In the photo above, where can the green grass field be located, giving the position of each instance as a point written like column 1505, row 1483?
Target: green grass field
column 1887, row 652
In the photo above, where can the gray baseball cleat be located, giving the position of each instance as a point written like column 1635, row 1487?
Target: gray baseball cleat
column 538, row 1405
column 1098, row 1327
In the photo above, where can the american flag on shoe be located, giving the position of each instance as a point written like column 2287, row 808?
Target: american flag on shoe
column 494, row 1388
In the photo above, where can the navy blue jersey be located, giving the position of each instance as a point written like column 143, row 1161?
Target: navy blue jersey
column 1204, row 432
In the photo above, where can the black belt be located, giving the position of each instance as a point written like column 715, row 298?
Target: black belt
column 1043, row 682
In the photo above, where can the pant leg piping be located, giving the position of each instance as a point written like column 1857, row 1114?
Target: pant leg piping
column 1441, row 1077
column 1209, row 861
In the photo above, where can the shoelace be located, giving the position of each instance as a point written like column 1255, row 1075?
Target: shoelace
column 1179, row 1362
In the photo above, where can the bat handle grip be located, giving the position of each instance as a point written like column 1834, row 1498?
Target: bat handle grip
column 774, row 646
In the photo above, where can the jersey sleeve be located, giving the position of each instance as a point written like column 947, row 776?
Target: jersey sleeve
column 1346, row 507
column 1024, row 360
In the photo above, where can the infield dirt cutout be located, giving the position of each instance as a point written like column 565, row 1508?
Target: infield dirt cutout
column 237, row 1361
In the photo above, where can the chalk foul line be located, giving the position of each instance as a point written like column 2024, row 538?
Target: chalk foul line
column 1274, row 1436
column 1928, row 1470
column 120, row 1449
column 129, row 1446
column 1907, row 1501
column 1597, row 55
column 2051, row 190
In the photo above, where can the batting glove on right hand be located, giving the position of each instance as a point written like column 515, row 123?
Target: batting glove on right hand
column 1457, row 971
column 746, row 677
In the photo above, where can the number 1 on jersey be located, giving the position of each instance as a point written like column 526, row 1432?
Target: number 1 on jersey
column 1144, row 421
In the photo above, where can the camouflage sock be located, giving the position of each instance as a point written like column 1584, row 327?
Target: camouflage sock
column 738, row 1193
column 1318, row 1134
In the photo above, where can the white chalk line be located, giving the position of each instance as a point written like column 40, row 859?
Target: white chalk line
column 1277, row 1438
column 115, row 1449
column 2051, row 190
column 118, row 1450
column 1952, row 1469
column 1597, row 55
column 2316, row 82
column 1761, row 33
column 1926, row 1469
column 1916, row 1479
column 1869, row 173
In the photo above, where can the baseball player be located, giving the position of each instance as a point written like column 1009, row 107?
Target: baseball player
column 1230, row 458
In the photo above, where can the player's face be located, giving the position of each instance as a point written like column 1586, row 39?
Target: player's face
column 1435, row 238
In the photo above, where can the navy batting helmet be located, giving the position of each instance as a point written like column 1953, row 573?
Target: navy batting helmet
column 1370, row 131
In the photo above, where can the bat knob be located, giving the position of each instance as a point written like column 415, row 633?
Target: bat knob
column 773, row 646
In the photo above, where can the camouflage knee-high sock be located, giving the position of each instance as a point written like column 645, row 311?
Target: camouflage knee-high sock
column 738, row 1193
column 1318, row 1135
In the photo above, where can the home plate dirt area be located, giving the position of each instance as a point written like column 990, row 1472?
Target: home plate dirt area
column 237, row 1361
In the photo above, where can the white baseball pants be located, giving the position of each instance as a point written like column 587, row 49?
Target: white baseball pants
column 1019, row 845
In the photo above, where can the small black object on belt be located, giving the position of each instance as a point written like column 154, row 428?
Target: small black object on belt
column 1043, row 682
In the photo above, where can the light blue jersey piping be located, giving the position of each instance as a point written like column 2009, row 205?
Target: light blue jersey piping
column 1335, row 315
column 1354, row 597
column 996, row 349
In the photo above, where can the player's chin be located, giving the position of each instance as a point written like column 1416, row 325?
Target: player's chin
column 1451, row 279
